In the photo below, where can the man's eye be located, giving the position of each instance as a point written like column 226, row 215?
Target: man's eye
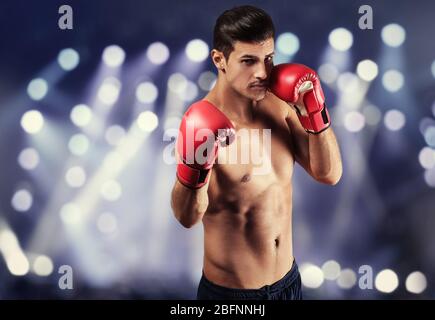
column 248, row 61
column 269, row 59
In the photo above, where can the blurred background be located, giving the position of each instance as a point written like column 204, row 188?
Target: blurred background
column 88, row 118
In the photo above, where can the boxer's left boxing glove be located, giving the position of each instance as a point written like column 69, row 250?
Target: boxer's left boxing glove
column 300, row 86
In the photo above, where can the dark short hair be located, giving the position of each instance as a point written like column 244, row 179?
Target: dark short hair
column 245, row 24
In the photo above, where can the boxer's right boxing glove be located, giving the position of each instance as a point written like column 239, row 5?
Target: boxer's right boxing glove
column 203, row 129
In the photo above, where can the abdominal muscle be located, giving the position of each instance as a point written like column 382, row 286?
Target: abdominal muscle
column 248, row 237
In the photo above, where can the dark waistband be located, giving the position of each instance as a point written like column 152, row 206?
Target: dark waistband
column 285, row 282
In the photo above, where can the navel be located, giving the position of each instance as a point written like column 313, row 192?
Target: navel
column 277, row 242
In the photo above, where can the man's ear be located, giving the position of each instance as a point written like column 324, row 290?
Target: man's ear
column 218, row 59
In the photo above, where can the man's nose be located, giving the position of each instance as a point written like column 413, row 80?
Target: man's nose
column 261, row 72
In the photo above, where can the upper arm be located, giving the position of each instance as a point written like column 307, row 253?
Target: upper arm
column 297, row 135
column 299, row 139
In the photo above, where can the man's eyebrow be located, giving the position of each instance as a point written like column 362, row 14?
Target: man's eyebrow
column 248, row 56
column 255, row 57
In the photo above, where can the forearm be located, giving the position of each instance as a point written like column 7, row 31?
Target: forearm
column 189, row 205
column 325, row 158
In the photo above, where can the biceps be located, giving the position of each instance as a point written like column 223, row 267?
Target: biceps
column 302, row 155
column 299, row 141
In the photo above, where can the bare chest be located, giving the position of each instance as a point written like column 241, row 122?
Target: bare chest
column 258, row 154
column 259, row 160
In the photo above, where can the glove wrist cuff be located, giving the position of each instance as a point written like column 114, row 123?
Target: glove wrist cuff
column 191, row 177
column 316, row 122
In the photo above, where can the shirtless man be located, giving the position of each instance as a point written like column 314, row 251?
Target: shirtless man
column 247, row 215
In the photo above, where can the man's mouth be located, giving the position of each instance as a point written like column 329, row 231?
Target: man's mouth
column 258, row 85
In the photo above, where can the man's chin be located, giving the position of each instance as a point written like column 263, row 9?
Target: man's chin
column 258, row 96
column 255, row 96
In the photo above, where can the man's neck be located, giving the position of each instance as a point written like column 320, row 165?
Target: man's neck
column 234, row 105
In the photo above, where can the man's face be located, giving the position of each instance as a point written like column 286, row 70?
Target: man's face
column 248, row 68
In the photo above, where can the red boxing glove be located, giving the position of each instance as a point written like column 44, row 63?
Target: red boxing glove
column 202, row 130
column 299, row 85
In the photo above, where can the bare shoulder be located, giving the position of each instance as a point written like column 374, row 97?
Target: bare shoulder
column 274, row 107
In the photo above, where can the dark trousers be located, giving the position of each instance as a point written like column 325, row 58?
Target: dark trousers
column 288, row 287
